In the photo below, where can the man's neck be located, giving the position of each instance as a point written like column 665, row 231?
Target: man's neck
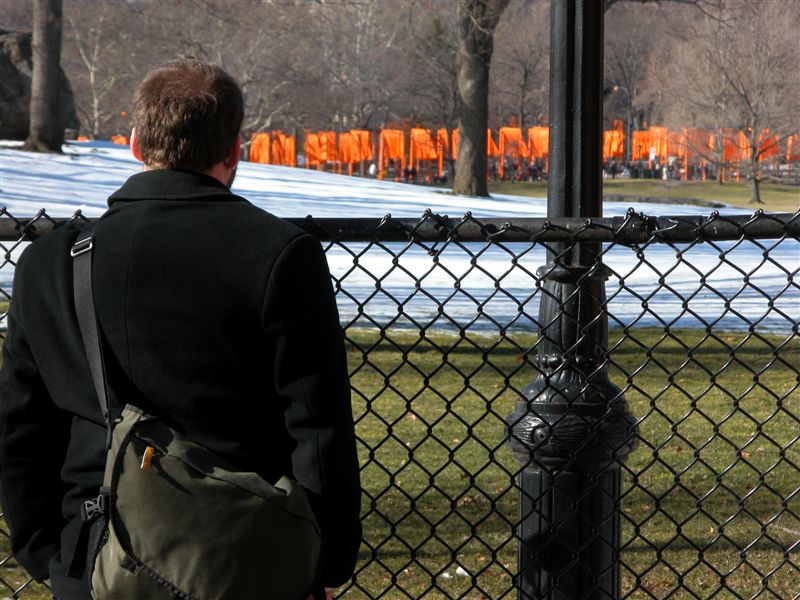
column 222, row 174
column 219, row 171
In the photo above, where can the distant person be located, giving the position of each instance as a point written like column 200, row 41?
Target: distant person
column 216, row 317
column 373, row 170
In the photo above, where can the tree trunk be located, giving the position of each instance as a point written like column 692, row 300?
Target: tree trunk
column 46, row 132
column 755, row 191
column 477, row 20
column 755, row 180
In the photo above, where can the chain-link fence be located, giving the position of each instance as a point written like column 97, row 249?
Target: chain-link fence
column 446, row 332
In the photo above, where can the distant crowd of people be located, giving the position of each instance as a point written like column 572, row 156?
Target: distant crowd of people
column 408, row 173
column 655, row 170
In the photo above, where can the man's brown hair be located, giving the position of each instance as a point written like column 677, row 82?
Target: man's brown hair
column 187, row 115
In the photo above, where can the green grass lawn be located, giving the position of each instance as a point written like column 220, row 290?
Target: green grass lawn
column 716, row 468
column 776, row 197
column 711, row 471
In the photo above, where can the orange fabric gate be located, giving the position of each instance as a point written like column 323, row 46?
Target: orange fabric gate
column 392, row 148
column 511, row 145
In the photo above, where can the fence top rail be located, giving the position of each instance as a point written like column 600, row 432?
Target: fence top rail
column 633, row 228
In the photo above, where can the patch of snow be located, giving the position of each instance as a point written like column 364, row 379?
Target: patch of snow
column 727, row 285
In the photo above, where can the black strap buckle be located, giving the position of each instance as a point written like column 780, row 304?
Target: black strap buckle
column 82, row 246
column 95, row 507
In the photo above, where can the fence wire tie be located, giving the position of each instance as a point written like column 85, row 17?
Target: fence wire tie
column 314, row 227
column 385, row 220
column 550, row 226
column 674, row 223
column 439, row 221
column 631, row 214
column 487, row 234
column 439, row 224
column 29, row 228
column 4, row 212
column 701, row 228
column 625, row 221
column 76, row 216
column 757, row 215
column 507, row 226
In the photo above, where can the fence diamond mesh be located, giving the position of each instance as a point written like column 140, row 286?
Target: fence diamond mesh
column 443, row 327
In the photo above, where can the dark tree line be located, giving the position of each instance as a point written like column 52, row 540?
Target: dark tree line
column 460, row 63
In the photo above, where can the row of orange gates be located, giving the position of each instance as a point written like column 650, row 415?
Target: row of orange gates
column 419, row 146
column 344, row 150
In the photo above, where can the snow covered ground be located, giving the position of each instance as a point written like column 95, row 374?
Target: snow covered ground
column 699, row 287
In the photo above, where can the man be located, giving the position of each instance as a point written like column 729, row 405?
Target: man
column 216, row 317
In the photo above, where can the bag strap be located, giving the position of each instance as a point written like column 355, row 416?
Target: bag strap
column 81, row 253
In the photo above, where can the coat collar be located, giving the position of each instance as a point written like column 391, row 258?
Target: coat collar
column 171, row 184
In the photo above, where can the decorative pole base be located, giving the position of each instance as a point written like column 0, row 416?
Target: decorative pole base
column 571, row 431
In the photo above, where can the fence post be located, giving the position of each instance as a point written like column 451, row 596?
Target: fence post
column 572, row 429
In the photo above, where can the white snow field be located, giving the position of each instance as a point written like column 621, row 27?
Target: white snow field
column 686, row 286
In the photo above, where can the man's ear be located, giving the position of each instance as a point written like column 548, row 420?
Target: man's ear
column 233, row 156
column 137, row 153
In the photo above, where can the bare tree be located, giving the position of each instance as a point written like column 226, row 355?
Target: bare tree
column 520, row 64
column 363, row 55
column 477, row 20
column 632, row 58
column 251, row 40
column 99, row 39
column 764, row 78
column 738, row 71
column 435, row 90
column 46, row 129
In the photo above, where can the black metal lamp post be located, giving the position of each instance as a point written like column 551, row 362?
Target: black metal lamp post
column 628, row 138
column 572, row 429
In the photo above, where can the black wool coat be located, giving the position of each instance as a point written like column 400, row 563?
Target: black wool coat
column 218, row 318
